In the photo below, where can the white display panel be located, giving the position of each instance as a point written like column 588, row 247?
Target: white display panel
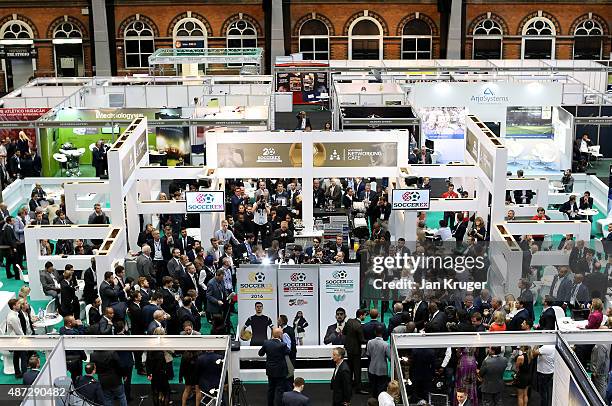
column 410, row 199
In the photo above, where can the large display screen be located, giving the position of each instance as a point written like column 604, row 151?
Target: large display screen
column 529, row 122
column 205, row 202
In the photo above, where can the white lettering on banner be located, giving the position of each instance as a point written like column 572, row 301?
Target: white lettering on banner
column 118, row 116
column 269, row 155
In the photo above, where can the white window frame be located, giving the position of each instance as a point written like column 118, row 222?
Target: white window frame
column 138, row 38
column 23, row 24
column 67, row 39
column 370, row 37
column 600, row 37
column 551, row 37
column 313, row 38
column 198, row 23
column 416, row 39
column 487, row 36
column 240, row 37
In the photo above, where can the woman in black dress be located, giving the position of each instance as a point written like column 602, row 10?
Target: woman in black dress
column 157, row 373
column 522, row 379
column 187, row 372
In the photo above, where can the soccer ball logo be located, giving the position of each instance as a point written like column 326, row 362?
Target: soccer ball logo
column 341, row 274
column 298, row 277
column 258, row 277
column 205, row 198
column 410, row 196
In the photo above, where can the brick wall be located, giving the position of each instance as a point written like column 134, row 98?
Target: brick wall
column 215, row 17
column 338, row 16
column 513, row 16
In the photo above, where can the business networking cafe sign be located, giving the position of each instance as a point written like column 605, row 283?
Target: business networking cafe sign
column 489, row 96
column 205, row 202
column 410, row 199
column 355, row 154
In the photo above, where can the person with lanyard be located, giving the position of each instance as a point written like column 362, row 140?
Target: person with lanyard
column 225, row 235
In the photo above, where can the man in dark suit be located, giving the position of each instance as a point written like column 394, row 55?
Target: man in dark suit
column 88, row 387
column 189, row 279
column 338, row 246
column 98, row 160
column 185, row 242
column 548, row 319
column 14, row 165
column 295, row 397
column 586, row 201
column 579, row 295
column 12, row 252
column 90, row 291
column 138, row 326
column 170, row 304
column 437, row 320
column 159, row 320
column 276, row 366
column 108, row 293
column 341, row 379
column 283, row 324
column 519, row 317
column 318, row 194
column 561, row 287
column 303, row 121
column 492, row 374
column 160, row 254
column 30, row 375
column 413, row 157
column 335, row 332
column 108, row 368
column 420, row 312
column 396, row 319
column 216, row 294
column 353, row 339
column 105, row 326
column 462, row 397
column 577, row 253
column 209, row 366
column 369, row 328
column 368, row 194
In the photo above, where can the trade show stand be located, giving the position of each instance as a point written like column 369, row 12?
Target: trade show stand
column 18, row 193
column 539, row 185
column 112, row 248
column 81, row 196
column 507, row 256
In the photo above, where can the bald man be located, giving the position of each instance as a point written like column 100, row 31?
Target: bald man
column 276, row 366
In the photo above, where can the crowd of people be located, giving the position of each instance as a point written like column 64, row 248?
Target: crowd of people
column 179, row 286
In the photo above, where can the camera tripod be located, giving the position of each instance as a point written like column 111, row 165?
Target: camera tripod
column 239, row 395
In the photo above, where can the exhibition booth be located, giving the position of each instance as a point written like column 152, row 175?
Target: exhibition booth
column 571, row 384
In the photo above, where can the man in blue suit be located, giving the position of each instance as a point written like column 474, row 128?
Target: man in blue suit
column 209, row 366
column 295, row 397
column 30, row 375
column 276, row 365
column 561, row 288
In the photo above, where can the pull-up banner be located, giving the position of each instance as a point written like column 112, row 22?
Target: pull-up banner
column 339, row 287
column 256, row 284
column 298, row 295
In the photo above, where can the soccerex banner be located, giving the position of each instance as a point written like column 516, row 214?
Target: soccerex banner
column 339, row 287
column 256, row 284
column 298, row 291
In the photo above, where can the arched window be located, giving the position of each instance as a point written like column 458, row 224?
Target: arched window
column 314, row 40
column 416, row 40
column 539, row 39
column 365, row 39
column 68, row 50
column 191, row 31
column 588, row 40
column 139, row 44
column 67, row 30
column 487, row 42
column 241, row 34
column 16, row 29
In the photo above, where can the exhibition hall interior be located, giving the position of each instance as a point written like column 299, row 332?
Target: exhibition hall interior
column 306, row 202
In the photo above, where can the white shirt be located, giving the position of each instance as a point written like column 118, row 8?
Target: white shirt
column 384, row 399
column 158, row 253
column 444, row 233
column 336, row 369
column 584, row 147
column 546, row 359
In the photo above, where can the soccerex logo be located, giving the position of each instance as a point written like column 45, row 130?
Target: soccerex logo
column 258, row 277
column 411, row 196
column 340, row 274
column 298, row 277
column 205, row 198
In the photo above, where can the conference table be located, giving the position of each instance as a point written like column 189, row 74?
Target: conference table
column 588, row 212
